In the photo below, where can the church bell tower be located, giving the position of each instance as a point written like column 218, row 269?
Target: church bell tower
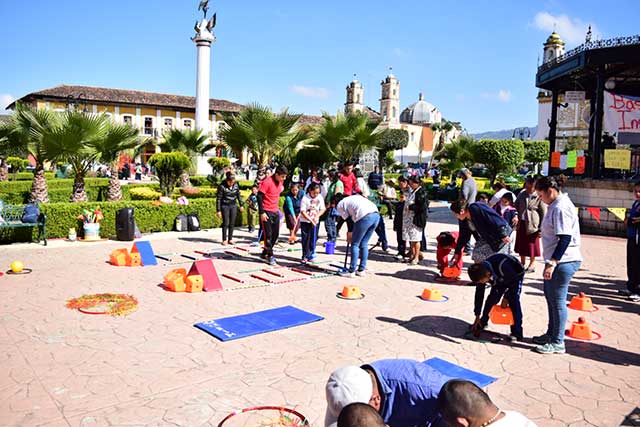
column 390, row 100
column 355, row 97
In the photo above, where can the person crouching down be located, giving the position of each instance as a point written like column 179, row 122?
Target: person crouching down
column 447, row 241
column 506, row 274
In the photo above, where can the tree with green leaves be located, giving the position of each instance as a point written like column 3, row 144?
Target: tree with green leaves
column 22, row 136
column 444, row 127
column 499, row 155
column 169, row 167
column 346, row 137
column 262, row 132
column 457, row 155
column 536, row 152
column 118, row 139
column 191, row 142
column 73, row 141
column 391, row 140
column 17, row 164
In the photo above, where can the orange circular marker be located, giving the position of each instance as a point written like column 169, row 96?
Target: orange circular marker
column 581, row 330
column 350, row 292
column 433, row 295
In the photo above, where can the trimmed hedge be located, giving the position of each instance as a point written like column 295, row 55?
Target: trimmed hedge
column 28, row 176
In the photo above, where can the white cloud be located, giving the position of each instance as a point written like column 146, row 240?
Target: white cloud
column 5, row 99
column 310, row 92
column 572, row 30
column 503, row 95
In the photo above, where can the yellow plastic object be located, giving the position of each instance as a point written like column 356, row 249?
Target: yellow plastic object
column 351, row 292
column 119, row 257
column 134, row 260
column 432, row 295
column 17, row 266
column 175, row 280
column 194, row 283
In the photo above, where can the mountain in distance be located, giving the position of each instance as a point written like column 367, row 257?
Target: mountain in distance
column 503, row 134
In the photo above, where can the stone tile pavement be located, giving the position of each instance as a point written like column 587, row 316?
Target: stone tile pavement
column 61, row 367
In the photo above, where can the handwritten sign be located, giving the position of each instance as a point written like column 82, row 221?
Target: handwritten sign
column 617, row 159
column 572, row 158
column 581, row 163
column 555, row 159
column 621, row 113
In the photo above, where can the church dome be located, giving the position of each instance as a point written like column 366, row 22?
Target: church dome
column 554, row 38
column 420, row 112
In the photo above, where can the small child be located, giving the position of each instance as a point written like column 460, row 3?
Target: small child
column 311, row 209
column 506, row 274
column 483, row 198
column 252, row 208
column 509, row 213
column 447, row 241
column 632, row 222
column 292, row 210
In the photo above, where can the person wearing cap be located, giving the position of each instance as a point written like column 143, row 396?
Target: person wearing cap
column 403, row 391
column 227, row 201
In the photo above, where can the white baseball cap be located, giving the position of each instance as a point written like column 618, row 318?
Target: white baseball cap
column 346, row 385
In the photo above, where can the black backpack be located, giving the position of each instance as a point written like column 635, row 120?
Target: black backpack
column 181, row 223
column 193, row 221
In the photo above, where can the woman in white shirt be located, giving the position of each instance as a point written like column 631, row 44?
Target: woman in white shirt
column 560, row 232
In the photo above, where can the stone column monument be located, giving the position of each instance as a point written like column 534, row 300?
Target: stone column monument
column 203, row 39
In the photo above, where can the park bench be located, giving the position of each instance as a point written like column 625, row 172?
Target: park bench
column 11, row 217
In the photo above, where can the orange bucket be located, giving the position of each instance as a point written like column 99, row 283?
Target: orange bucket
column 581, row 302
column 350, row 292
column 501, row 316
column 175, row 280
column 451, row 272
column 581, row 330
column 434, row 295
column 119, row 257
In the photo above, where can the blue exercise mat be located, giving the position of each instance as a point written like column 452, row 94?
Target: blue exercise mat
column 232, row 328
column 456, row 371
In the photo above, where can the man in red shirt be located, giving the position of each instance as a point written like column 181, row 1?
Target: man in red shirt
column 268, row 196
column 349, row 180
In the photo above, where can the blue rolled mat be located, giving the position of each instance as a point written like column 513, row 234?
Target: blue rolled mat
column 456, row 371
column 232, row 328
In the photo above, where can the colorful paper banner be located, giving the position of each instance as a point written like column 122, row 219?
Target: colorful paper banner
column 563, row 161
column 572, row 158
column 617, row 159
column 555, row 159
column 595, row 213
column 581, row 163
column 620, row 213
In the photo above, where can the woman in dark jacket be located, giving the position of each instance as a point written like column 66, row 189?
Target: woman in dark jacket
column 415, row 217
column 227, row 202
column 486, row 225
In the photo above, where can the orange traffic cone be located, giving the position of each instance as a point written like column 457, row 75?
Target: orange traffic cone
column 433, row 295
column 350, row 292
column 501, row 316
column 581, row 330
column 581, row 302
column 451, row 272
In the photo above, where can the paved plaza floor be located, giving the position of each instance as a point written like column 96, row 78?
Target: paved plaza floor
column 61, row 367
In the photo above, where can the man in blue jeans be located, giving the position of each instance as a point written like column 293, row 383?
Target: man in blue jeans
column 362, row 219
column 505, row 274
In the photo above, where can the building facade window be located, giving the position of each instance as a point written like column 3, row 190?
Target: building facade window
column 187, row 123
column 168, row 123
column 393, row 112
column 148, row 125
column 127, row 120
column 394, row 92
column 358, row 99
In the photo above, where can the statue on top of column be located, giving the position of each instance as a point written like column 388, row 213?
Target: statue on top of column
column 205, row 24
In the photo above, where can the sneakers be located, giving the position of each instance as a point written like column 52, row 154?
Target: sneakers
column 272, row 261
column 550, row 348
column 312, row 258
column 251, row 229
column 361, row 273
column 513, row 338
column 346, row 273
column 634, row 297
column 541, row 339
column 400, row 257
column 304, row 261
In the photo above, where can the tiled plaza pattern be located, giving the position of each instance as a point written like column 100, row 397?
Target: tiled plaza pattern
column 61, row 367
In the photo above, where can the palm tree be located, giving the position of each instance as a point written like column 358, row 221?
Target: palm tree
column 73, row 141
column 23, row 135
column 261, row 131
column 118, row 139
column 444, row 127
column 457, row 155
column 189, row 142
column 345, row 137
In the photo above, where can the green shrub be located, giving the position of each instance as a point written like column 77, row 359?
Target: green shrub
column 144, row 193
column 28, row 176
column 199, row 181
column 169, row 167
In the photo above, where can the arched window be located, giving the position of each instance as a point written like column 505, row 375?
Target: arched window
column 393, row 112
column 358, row 99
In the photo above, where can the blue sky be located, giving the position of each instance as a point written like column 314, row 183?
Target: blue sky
column 474, row 59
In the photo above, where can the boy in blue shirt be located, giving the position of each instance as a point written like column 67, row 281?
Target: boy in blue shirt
column 505, row 273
